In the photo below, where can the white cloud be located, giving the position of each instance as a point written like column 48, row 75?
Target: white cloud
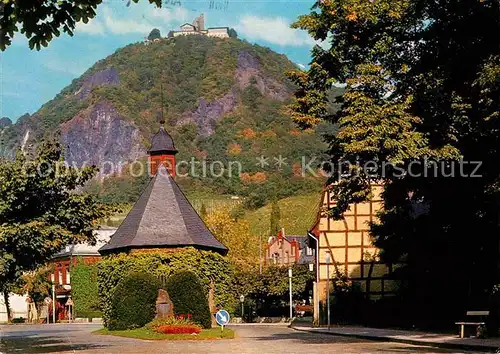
column 135, row 19
column 92, row 27
column 122, row 26
column 275, row 30
column 302, row 66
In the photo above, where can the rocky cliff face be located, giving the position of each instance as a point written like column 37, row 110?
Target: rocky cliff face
column 106, row 77
column 248, row 72
column 100, row 136
column 4, row 122
column 249, row 69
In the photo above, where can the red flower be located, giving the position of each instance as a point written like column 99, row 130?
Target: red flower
column 179, row 329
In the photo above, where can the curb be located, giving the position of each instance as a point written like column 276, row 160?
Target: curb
column 472, row 347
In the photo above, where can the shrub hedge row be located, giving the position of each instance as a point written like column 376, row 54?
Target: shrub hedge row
column 206, row 265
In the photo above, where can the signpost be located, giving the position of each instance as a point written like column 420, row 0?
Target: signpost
column 222, row 318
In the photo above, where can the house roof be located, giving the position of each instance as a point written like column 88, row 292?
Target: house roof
column 189, row 24
column 103, row 235
column 162, row 141
column 162, row 217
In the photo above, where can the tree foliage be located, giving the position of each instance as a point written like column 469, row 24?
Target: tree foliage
column 233, row 33
column 421, row 88
column 36, row 284
column 275, row 219
column 41, row 21
column 40, row 211
column 154, row 34
column 235, row 234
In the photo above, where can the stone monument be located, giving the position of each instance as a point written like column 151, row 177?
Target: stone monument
column 164, row 306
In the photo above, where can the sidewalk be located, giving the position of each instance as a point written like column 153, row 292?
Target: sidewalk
column 411, row 337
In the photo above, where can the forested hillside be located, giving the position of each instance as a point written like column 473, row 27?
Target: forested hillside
column 223, row 100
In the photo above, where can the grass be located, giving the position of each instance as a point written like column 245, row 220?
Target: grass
column 143, row 333
column 298, row 214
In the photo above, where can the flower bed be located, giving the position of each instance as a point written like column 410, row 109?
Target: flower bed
column 179, row 329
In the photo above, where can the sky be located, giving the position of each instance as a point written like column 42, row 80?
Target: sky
column 29, row 78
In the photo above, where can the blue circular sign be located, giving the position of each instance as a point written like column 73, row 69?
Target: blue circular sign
column 222, row 317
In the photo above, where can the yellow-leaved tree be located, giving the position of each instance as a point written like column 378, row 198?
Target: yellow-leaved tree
column 235, row 234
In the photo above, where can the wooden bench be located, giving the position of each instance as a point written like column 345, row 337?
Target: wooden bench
column 480, row 314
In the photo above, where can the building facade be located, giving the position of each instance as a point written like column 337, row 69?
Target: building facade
column 198, row 28
column 348, row 245
column 288, row 250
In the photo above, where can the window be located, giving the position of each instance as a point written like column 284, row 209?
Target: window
column 68, row 281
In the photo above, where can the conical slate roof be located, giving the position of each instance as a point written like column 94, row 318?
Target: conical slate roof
column 162, row 218
column 162, row 141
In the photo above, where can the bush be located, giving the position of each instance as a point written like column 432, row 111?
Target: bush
column 189, row 297
column 208, row 266
column 134, row 301
column 84, row 289
column 179, row 329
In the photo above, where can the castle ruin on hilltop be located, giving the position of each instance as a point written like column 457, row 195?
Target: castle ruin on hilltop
column 198, row 28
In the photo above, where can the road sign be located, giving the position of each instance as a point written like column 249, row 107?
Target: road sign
column 222, row 317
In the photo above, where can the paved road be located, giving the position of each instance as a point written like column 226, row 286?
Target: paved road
column 250, row 339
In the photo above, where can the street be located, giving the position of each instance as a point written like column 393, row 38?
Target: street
column 63, row 338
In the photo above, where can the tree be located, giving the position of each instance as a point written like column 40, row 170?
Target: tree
column 154, row 34
column 232, row 33
column 40, row 211
column 275, row 219
column 243, row 247
column 41, row 20
column 203, row 211
column 421, row 96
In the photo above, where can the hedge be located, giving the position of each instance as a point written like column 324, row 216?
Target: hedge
column 84, row 289
column 134, row 302
column 206, row 265
column 189, row 297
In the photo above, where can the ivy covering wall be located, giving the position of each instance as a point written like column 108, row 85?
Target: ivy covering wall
column 206, row 265
column 84, row 289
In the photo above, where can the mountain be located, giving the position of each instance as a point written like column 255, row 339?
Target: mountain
column 223, row 100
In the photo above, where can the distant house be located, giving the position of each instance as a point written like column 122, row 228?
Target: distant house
column 288, row 250
column 198, row 28
column 89, row 254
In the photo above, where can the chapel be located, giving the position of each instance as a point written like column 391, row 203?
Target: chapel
column 162, row 217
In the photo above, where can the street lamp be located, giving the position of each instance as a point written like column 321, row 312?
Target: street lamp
column 327, row 261
column 53, row 280
column 242, row 300
column 290, row 283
